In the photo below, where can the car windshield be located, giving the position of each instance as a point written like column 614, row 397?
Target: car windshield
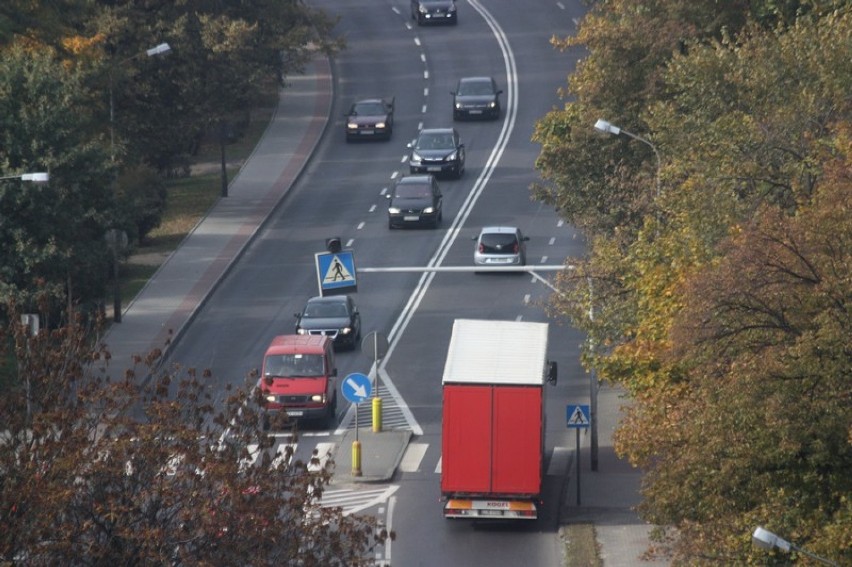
column 499, row 243
column 412, row 192
column 293, row 365
column 475, row 88
column 435, row 142
column 368, row 109
column 325, row 310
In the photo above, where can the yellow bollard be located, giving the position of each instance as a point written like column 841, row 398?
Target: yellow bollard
column 377, row 415
column 356, row 458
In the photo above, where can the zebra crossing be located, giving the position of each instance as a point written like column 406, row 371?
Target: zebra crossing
column 285, row 452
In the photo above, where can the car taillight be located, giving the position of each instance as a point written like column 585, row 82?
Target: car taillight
column 481, row 248
column 515, row 248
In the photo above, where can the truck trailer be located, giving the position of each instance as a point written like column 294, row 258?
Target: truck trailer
column 492, row 440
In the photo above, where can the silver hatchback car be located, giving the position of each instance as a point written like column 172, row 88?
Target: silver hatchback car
column 500, row 246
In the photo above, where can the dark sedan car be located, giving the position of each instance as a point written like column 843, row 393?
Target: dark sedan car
column 434, row 11
column 438, row 151
column 415, row 200
column 334, row 316
column 370, row 118
column 476, row 97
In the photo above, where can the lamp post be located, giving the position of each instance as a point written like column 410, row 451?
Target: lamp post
column 39, row 178
column 604, row 126
column 765, row 539
column 161, row 49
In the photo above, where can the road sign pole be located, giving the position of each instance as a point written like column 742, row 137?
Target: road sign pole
column 377, row 400
column 578, row 466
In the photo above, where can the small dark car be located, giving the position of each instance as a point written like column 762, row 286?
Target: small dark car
column 438, row 151
column 335, row 316
column 415, row 200
column 370, row 118
column 476, row 97
column 434, row 11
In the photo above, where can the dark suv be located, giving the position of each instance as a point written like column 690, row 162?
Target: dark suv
column 476, row 97
column 434, row 11
column 415, row 200
column 437, row 151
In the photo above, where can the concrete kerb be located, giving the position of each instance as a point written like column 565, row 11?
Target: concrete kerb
column 323, row 73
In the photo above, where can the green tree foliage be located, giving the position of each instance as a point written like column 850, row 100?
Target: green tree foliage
column 104, row 472
column 721, row 304
column 760, row 432
column 50, row 233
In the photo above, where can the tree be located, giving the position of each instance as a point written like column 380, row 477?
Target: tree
column 52, row 233
column 752, row 122
column 759, row 429
column 103, row 471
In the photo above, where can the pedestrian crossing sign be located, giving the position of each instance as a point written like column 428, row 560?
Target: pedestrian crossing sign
column 336, row 271
column 578, row 416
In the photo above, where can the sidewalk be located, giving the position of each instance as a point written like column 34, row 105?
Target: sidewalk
column 182, row 284
column 608, row 496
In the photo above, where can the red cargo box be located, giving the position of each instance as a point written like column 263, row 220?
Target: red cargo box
column 492, row 440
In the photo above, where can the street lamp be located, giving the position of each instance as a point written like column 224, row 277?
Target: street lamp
column 157, row 50
column 765, row 539
column 604, row 126
column 40, row 177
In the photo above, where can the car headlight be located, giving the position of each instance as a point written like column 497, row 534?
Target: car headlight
column 352, row 126
column 393, row 210
column 453, row 156
column 415, row 157
column 458, row 105
column 271, row 398
column 492, row 104
column 429, row 210
column 380, row 124
column 318, row 398
column 345, row 330
column 301, row 331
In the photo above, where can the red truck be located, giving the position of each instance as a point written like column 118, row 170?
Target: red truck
column 492, row 441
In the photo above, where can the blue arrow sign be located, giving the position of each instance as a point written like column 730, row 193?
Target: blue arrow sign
column 336, row 270
column 578, row 416
column 356, row 387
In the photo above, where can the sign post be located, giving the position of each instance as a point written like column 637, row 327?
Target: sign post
column 577, row 418
column 356, row 388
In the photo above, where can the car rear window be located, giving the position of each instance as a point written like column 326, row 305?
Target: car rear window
column 496, row 243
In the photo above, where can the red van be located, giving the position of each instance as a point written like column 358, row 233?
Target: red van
column 299, row 377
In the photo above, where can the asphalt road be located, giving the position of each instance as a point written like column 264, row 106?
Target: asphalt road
column 342, row 194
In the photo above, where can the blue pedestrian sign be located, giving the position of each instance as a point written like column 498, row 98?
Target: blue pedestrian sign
column 336, row 271
column 356, row 387
column 578, row 416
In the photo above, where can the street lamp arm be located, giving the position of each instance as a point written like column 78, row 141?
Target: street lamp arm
column 38, row 177
column 604, row 126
